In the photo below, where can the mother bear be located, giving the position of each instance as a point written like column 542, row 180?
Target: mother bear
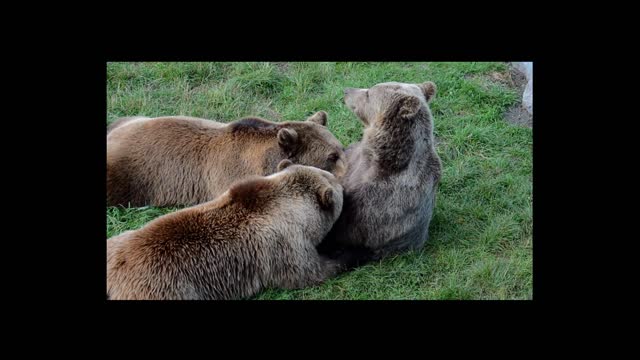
column 390, row 184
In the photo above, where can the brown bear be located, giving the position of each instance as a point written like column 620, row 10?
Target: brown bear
column 261, row 233
column 179, row 160
column 390, row 185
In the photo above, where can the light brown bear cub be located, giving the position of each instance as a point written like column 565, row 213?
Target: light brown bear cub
column 171, row 161
column 261, row 233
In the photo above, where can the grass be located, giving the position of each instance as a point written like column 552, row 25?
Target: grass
column 480, row 245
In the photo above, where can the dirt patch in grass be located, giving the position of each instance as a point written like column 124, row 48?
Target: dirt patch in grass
column 518, row 79
column 495, row 78
column 283, row 67
column 512, row 79
column 273, row 115
column 517, row 115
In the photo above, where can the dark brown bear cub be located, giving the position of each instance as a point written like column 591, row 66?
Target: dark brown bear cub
column 261, row 233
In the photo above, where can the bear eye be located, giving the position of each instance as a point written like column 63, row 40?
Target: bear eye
column 333, row 157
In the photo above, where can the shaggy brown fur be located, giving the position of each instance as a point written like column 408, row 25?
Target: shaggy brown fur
column 393, row 173
column 261, row 233
column 186, row 161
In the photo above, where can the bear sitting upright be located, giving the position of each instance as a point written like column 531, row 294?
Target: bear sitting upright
column 390, row 185
column 261, row 233
column 171, row 161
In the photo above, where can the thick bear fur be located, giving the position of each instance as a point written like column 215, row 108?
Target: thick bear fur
column 172, row 161
column 261, row 233
column 393, row 173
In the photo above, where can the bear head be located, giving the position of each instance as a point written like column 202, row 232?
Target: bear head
column 311, row 143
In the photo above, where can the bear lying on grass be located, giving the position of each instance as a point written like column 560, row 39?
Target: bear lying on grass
column 171, row 161
column 261, row 233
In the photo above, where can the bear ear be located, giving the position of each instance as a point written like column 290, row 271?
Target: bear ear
column 319, row 118
column 428, row 89
column 284, row 164
column 404, row 106
column 325, row 198
column 288, row 139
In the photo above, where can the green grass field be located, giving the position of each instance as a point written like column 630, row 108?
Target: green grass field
column 480, row 244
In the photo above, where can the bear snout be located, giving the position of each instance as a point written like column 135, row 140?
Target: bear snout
column 349, row 97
